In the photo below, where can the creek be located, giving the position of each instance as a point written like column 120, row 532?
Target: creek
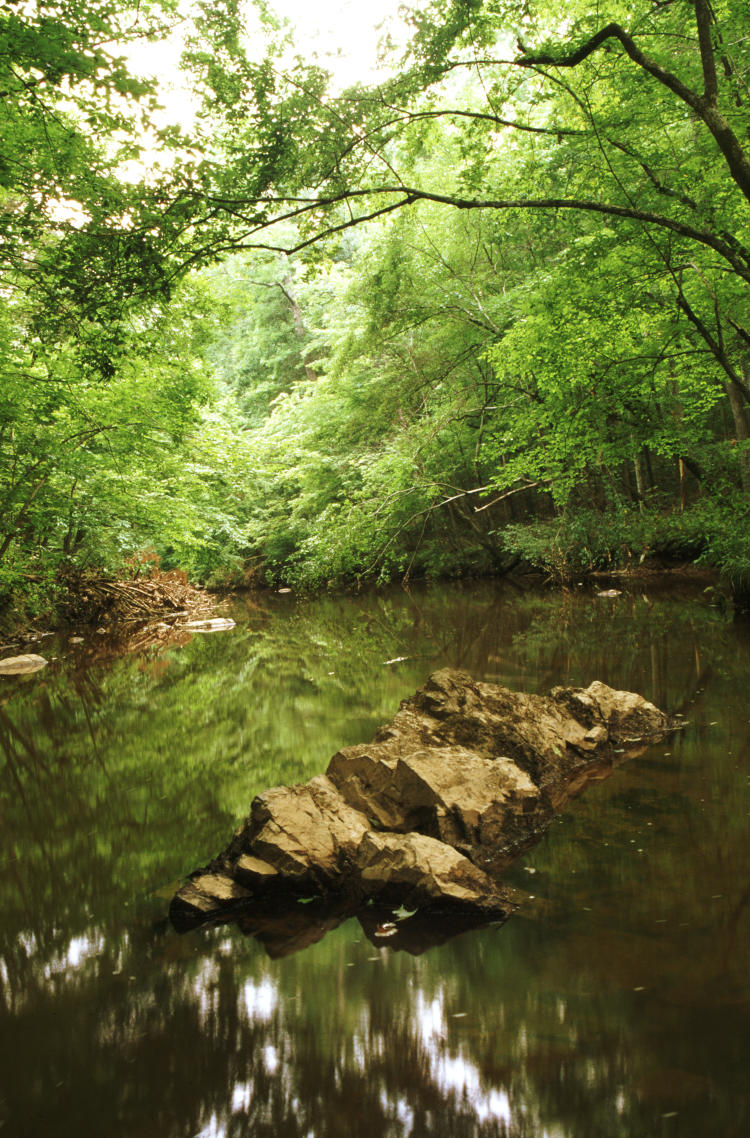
column 615, row 1004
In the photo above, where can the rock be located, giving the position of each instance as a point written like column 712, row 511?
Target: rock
column 22, row 665
column 254, row 873
column 307, row 833
column 414, row 870
column 452, row 794
column 548, row 737
column 207, row 894
column 623, row 715
column 425, row 817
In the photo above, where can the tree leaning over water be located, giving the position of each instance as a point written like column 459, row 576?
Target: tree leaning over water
column 656, row 140
column 613, row 144
column 515, row 272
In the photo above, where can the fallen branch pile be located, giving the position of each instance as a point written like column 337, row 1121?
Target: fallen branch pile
column 94, row 599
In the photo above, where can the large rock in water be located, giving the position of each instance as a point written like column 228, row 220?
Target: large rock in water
column 464, row 778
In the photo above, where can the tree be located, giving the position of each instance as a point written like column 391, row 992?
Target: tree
column 105, row 436
column 653, row 141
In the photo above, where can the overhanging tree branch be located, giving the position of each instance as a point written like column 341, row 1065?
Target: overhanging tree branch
column 729, row 250
column 704, row 105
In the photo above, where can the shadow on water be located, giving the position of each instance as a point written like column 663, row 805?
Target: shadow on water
column 615, row 1004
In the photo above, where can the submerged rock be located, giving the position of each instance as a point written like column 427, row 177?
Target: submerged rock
column 465, row 777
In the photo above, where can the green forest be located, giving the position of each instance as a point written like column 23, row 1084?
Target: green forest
column 489, row 312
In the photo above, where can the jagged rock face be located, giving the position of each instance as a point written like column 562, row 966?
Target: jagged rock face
column 309, row 834
column 465, row 776
column 449, row 793
column 413, row 870
column 545, row 736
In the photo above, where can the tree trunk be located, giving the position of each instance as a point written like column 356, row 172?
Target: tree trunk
column 640, row 479
column 741, row 426
column 299, row 327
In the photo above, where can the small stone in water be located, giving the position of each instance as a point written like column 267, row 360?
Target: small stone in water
column 21, row 665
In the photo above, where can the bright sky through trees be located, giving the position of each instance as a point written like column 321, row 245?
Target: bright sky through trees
column 342, row 34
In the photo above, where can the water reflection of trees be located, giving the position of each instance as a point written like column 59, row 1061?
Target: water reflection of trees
column 116, row 780
column 223, row 1042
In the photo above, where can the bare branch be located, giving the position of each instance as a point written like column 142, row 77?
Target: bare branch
column 510, row 493
column 730, row 250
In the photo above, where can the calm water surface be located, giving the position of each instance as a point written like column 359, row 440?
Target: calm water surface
column 616, row 1004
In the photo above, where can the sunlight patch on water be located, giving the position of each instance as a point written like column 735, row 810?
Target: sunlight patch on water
column 260, row 1000
column 455, row 1073
column 206, row 987
column 29, row 943
column 81, row 948
column 213, row 1129
column 242, row 1093
column 431, row 1019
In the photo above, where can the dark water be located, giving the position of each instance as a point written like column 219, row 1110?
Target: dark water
column 616, row 1004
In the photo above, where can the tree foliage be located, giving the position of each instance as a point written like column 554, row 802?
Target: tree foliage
column 507, row 284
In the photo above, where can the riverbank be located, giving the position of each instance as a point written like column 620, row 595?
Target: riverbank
column 125, row 615
column 131, row 612
column 148, row 606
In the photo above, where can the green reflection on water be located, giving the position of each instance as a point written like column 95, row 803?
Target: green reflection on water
column 616, row 1004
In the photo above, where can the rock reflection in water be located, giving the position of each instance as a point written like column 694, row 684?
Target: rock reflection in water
column 615, row 1004
column 284, row 927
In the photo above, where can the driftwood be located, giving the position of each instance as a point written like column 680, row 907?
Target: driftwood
column 412, row 832
column 95, row 599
